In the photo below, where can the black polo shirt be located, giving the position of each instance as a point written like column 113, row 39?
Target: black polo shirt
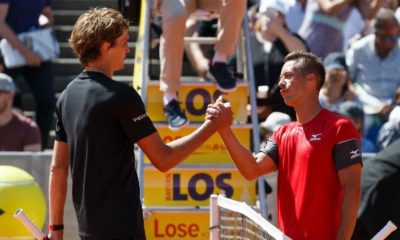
column 101, row 119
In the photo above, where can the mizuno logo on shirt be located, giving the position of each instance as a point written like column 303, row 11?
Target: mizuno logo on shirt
column 355, row 153
column 141, row 117
column 316, row 137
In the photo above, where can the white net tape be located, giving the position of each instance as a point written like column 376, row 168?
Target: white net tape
column 236, row 220
column 230, row 219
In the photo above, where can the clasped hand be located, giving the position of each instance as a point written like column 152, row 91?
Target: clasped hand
column 220, row 113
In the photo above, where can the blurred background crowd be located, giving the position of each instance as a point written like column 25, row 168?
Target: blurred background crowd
column 357, row 40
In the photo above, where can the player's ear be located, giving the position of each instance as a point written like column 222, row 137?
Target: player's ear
column 311, row 78
column 105, row 48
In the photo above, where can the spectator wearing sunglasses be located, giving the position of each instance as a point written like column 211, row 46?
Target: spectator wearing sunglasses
column 373, row 64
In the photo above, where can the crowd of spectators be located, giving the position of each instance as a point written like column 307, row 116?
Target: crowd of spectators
column 18, row 17
column 357, row 40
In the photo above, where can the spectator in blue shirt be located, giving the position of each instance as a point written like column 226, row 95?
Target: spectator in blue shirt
column 373, row 64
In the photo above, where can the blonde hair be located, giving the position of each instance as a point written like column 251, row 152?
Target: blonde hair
column 94, row 27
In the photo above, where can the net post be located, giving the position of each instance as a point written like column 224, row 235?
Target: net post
column 214, row 217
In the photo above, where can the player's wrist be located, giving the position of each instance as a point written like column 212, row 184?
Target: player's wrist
column 56, row 227
column 224, row 130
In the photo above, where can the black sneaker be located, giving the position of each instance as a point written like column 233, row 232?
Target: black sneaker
column 220, row 72
column 175, row 116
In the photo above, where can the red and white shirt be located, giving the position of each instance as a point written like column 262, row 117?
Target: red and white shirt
column 308, row 157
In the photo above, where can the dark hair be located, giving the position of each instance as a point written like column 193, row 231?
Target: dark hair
column 337, row 60
column 94, row 27
column 383, row 17
column 351, row 109
column 308, row 63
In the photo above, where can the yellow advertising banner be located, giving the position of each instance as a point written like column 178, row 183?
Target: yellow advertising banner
column 195, row 97
column 177, row 225
column 213, row 151
column 193, row 186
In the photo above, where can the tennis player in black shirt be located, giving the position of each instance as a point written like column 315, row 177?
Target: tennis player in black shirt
column 98, row 122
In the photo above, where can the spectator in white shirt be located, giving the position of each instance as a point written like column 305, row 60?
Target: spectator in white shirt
column 373, row 64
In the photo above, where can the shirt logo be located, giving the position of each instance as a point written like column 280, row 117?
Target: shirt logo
column 315, row 137
column 355, row 153
column 140, row 117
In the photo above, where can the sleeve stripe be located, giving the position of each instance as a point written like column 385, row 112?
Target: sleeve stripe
column 351, row 139
column 271, row 149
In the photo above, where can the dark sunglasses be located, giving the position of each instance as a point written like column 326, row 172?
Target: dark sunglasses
column 389, row 38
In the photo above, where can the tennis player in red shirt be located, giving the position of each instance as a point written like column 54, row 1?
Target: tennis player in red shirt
column 318, row 158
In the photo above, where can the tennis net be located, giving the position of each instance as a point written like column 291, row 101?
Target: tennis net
column 230, row 219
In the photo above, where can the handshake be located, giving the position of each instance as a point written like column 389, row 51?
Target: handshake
column 220, row 114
